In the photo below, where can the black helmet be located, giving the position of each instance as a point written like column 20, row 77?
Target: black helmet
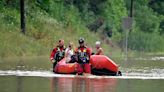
column 81, row 40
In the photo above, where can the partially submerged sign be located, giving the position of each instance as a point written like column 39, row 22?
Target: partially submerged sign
column 127, row 23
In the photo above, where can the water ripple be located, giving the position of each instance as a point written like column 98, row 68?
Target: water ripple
column 152, row 74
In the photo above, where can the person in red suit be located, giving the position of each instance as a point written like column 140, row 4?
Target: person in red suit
column 83, row 54
column 57, row 53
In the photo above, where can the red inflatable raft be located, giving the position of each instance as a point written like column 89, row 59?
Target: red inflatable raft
column 65, row 68
column 101, row 65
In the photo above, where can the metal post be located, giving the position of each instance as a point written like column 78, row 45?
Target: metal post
column 126, row 45
column 22, row 18
column 126, row 25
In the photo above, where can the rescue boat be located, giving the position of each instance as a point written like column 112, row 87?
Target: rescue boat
column 100, row 65
column 65, row 68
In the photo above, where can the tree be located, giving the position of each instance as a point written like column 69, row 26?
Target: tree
column 146, row 19
column 157, row 6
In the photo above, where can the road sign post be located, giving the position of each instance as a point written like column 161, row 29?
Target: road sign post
column 126, row 26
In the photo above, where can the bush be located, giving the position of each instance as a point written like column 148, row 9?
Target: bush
column 149, row 42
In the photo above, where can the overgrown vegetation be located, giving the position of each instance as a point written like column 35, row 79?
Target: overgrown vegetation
column 49, row 20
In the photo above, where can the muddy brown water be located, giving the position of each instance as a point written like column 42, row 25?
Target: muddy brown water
column 34, row 75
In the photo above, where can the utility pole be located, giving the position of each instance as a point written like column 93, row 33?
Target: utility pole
column 131, row 13
column 131, row 9
column 127, row 26
column 22, row 16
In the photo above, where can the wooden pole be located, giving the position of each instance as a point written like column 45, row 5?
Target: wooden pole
column 131, row 8
column 22, row 16
column 131, row 13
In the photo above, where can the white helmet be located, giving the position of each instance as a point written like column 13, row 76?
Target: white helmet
column 97, row 42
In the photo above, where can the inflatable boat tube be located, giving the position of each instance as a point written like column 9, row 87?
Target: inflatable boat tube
column 102, row 65
column 65, row 68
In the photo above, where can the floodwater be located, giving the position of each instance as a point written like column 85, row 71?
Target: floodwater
column 34, row 75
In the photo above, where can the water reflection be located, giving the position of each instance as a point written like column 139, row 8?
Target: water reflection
column 19, row 84
column 61, row 85
column 80, row 84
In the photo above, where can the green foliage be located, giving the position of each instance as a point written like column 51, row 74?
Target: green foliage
column 44, row 4
column 146, row 19
column 9, row 17
column 146, row 42
column 49, row 20
column 10, row 3
column 149, row 24
column 113, row 12
column 157, row 6
column 162, row 27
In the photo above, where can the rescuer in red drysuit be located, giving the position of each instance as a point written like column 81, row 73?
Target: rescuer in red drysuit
column 57, row 53
column 83, row 54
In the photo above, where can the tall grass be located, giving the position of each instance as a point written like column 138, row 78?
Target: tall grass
column 43, row 32
column 148, row 42
column 45, row 28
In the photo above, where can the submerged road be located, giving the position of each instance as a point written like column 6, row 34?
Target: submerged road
column 153, row 74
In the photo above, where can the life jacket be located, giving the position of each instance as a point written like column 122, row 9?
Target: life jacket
column 59, row 55
column 82, row 55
